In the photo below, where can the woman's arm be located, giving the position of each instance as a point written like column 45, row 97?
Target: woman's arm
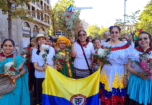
column 38, row 67
column 22, row 72
column 73, row 52
column 133, row 71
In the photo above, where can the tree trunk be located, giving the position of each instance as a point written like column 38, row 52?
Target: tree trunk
column 9, row 20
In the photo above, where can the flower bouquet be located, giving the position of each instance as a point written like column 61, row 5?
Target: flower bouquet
column 60, row 58
column 44, row 52
column 26, row 54
column 102, row 55
column 145, row 62
column 63, row 58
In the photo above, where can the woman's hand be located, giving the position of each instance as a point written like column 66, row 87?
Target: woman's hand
column 45, row 66
column 99, row 63
column 125, row 80
column 59, row 67
column 143, row 75
column 72, row 40
column 92, row 65
column 15, row 76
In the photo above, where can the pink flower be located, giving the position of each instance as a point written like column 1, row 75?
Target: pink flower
column 144, row 65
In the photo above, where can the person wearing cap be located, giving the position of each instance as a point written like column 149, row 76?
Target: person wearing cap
column 50, row 41
column 66, row 68
column 39, row 65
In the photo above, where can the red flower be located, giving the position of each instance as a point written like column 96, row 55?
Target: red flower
column 12, row 69
column 68, row 16
column 140, row 30
column 65, row 23
column 28, row 48
column 60, row 17
column 59, row 60
column 96, row 52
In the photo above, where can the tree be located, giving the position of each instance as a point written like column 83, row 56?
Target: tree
column 93, row 30
column 145, row 18
column 102, row 31
column 56, row 11
column 78, row 26
column 14, row 9
column 130, row 22
column 64, row 20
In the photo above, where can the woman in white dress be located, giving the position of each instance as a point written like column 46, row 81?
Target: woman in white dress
column 113, row 77
column 39, row 65
column 140, row 86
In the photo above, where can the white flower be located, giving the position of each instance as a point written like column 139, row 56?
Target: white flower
column 8, row 65
column 42, row 52
column 101, row 52
column 44, row 47
column 24, row 56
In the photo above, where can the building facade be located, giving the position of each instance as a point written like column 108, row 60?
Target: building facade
column 22, row 30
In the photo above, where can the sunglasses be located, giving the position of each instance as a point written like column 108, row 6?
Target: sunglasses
column 81, row 35
column 145, row 38
column 114, row 32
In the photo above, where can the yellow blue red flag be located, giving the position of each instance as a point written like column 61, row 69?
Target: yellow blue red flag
column 61, row 90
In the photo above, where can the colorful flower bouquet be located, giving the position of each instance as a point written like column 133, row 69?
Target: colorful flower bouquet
column 60, row 58
column 9, row 68
column 102, row 55
column 145, row 62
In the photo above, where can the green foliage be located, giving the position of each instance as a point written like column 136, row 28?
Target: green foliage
column 95, row 31
column 145, row 18
column 130, row 22
column 56, row 11
column 15, row 9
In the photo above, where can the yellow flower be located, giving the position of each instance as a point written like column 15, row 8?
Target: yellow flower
column 61, row 53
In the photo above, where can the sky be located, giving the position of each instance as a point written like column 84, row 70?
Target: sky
column 105, row 12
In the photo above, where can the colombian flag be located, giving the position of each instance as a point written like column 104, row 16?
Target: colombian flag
column 61, row 90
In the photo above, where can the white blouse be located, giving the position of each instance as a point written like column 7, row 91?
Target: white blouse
column 79, row 61
column 38, row 59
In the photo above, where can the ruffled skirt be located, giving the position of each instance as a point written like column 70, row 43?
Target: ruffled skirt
column 112, row 89
column 139, row 91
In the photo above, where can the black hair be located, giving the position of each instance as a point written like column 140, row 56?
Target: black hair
column 55, row 40
column 38, row 50
column 149, row 36
column 79, row 34
column 95, row 40
column 30, row 41
column 108, row 40
column 13, row 43
column 115, row 27
column 50, row 38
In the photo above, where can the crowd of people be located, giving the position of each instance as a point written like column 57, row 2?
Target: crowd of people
column 123, row 82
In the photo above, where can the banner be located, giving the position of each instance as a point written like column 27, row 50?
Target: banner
column 61, row 90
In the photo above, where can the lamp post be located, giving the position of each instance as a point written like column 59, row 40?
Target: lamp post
column 124, row 15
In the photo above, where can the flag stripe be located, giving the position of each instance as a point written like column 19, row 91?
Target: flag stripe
column 54, row 100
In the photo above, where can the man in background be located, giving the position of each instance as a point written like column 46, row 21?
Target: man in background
column 106, row 36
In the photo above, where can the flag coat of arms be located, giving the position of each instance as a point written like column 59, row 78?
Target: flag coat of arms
column 61, row 90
